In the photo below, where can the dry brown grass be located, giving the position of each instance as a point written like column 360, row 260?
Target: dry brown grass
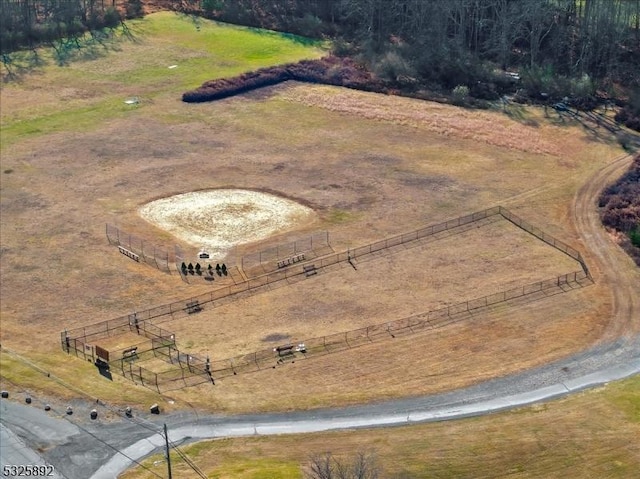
column 484, row 260
column 484, row 345
column 438, row 118
column 368, row 171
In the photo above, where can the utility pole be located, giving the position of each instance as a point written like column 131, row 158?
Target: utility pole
column 166, row 441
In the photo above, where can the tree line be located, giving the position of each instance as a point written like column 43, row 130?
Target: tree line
column 560, row 47
column 27, row 24
column 620, row 209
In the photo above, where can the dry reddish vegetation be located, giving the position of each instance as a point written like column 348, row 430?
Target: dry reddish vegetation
column 329, row 70
column 621, row 209
column 466, row 123
column 628, row 118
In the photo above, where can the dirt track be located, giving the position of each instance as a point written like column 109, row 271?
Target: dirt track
column 610, row 265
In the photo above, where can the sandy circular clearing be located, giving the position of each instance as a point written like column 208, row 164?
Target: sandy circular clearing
column 217, row 220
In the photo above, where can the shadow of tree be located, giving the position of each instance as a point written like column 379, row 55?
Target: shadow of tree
column 93, row 45
column 90, row 46
column 519, row 113
column 18, row 64
column 598, row 126
column 300, row 40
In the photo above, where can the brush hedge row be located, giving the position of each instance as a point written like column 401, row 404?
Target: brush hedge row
column 329, row 70
column 629, row 118
column 620, row 205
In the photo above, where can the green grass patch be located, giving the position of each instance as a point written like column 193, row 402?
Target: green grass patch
column 237, row 466
column 139, row 65
column 71, row 377
column 337, row 216
column 625, row 397
column 76, row 119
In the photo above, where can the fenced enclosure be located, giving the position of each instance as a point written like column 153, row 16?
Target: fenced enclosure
column 421, row 322
column 267, row 260
column 541, row 235
column 298, row 271
column 187, row 370
column 83, row 341
column 180, row 370
column 138, row 249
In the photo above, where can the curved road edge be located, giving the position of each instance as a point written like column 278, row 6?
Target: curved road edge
column 600, row 364
column 226, row 429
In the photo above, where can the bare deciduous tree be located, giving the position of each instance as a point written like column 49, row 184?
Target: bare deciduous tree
column 363, row 465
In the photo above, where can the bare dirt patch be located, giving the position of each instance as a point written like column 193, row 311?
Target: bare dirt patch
column 218, row 220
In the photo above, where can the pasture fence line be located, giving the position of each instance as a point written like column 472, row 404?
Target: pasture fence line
column 298, row 272
column 264, row 359
column 138, row 249
column 541, row 235
column 185, row 370
column 82, row 341
column 115, row 327
column 267, row 260
column 418, row 234
column 190, row 369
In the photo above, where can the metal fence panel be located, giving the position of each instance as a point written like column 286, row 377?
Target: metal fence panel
column 146, row 251
column 477, row 303
column 357, row 337
column 496, row 298
column 531, row 288
column 458, row 308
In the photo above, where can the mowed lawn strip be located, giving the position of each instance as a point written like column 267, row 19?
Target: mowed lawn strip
column 48, row 380
column 591, row 434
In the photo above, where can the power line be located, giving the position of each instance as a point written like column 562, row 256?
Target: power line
column 137, row 421
column 189, row 462
column 83, row 429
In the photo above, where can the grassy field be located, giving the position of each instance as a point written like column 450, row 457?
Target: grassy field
column 591, row 434
column 75, row 156
column 92, row 86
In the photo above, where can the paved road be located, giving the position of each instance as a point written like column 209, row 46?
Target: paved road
column 14, row 452
column 80, row 448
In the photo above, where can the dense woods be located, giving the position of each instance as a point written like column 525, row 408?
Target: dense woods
column 31, row 23
column 588, row 43
column 576, row 51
